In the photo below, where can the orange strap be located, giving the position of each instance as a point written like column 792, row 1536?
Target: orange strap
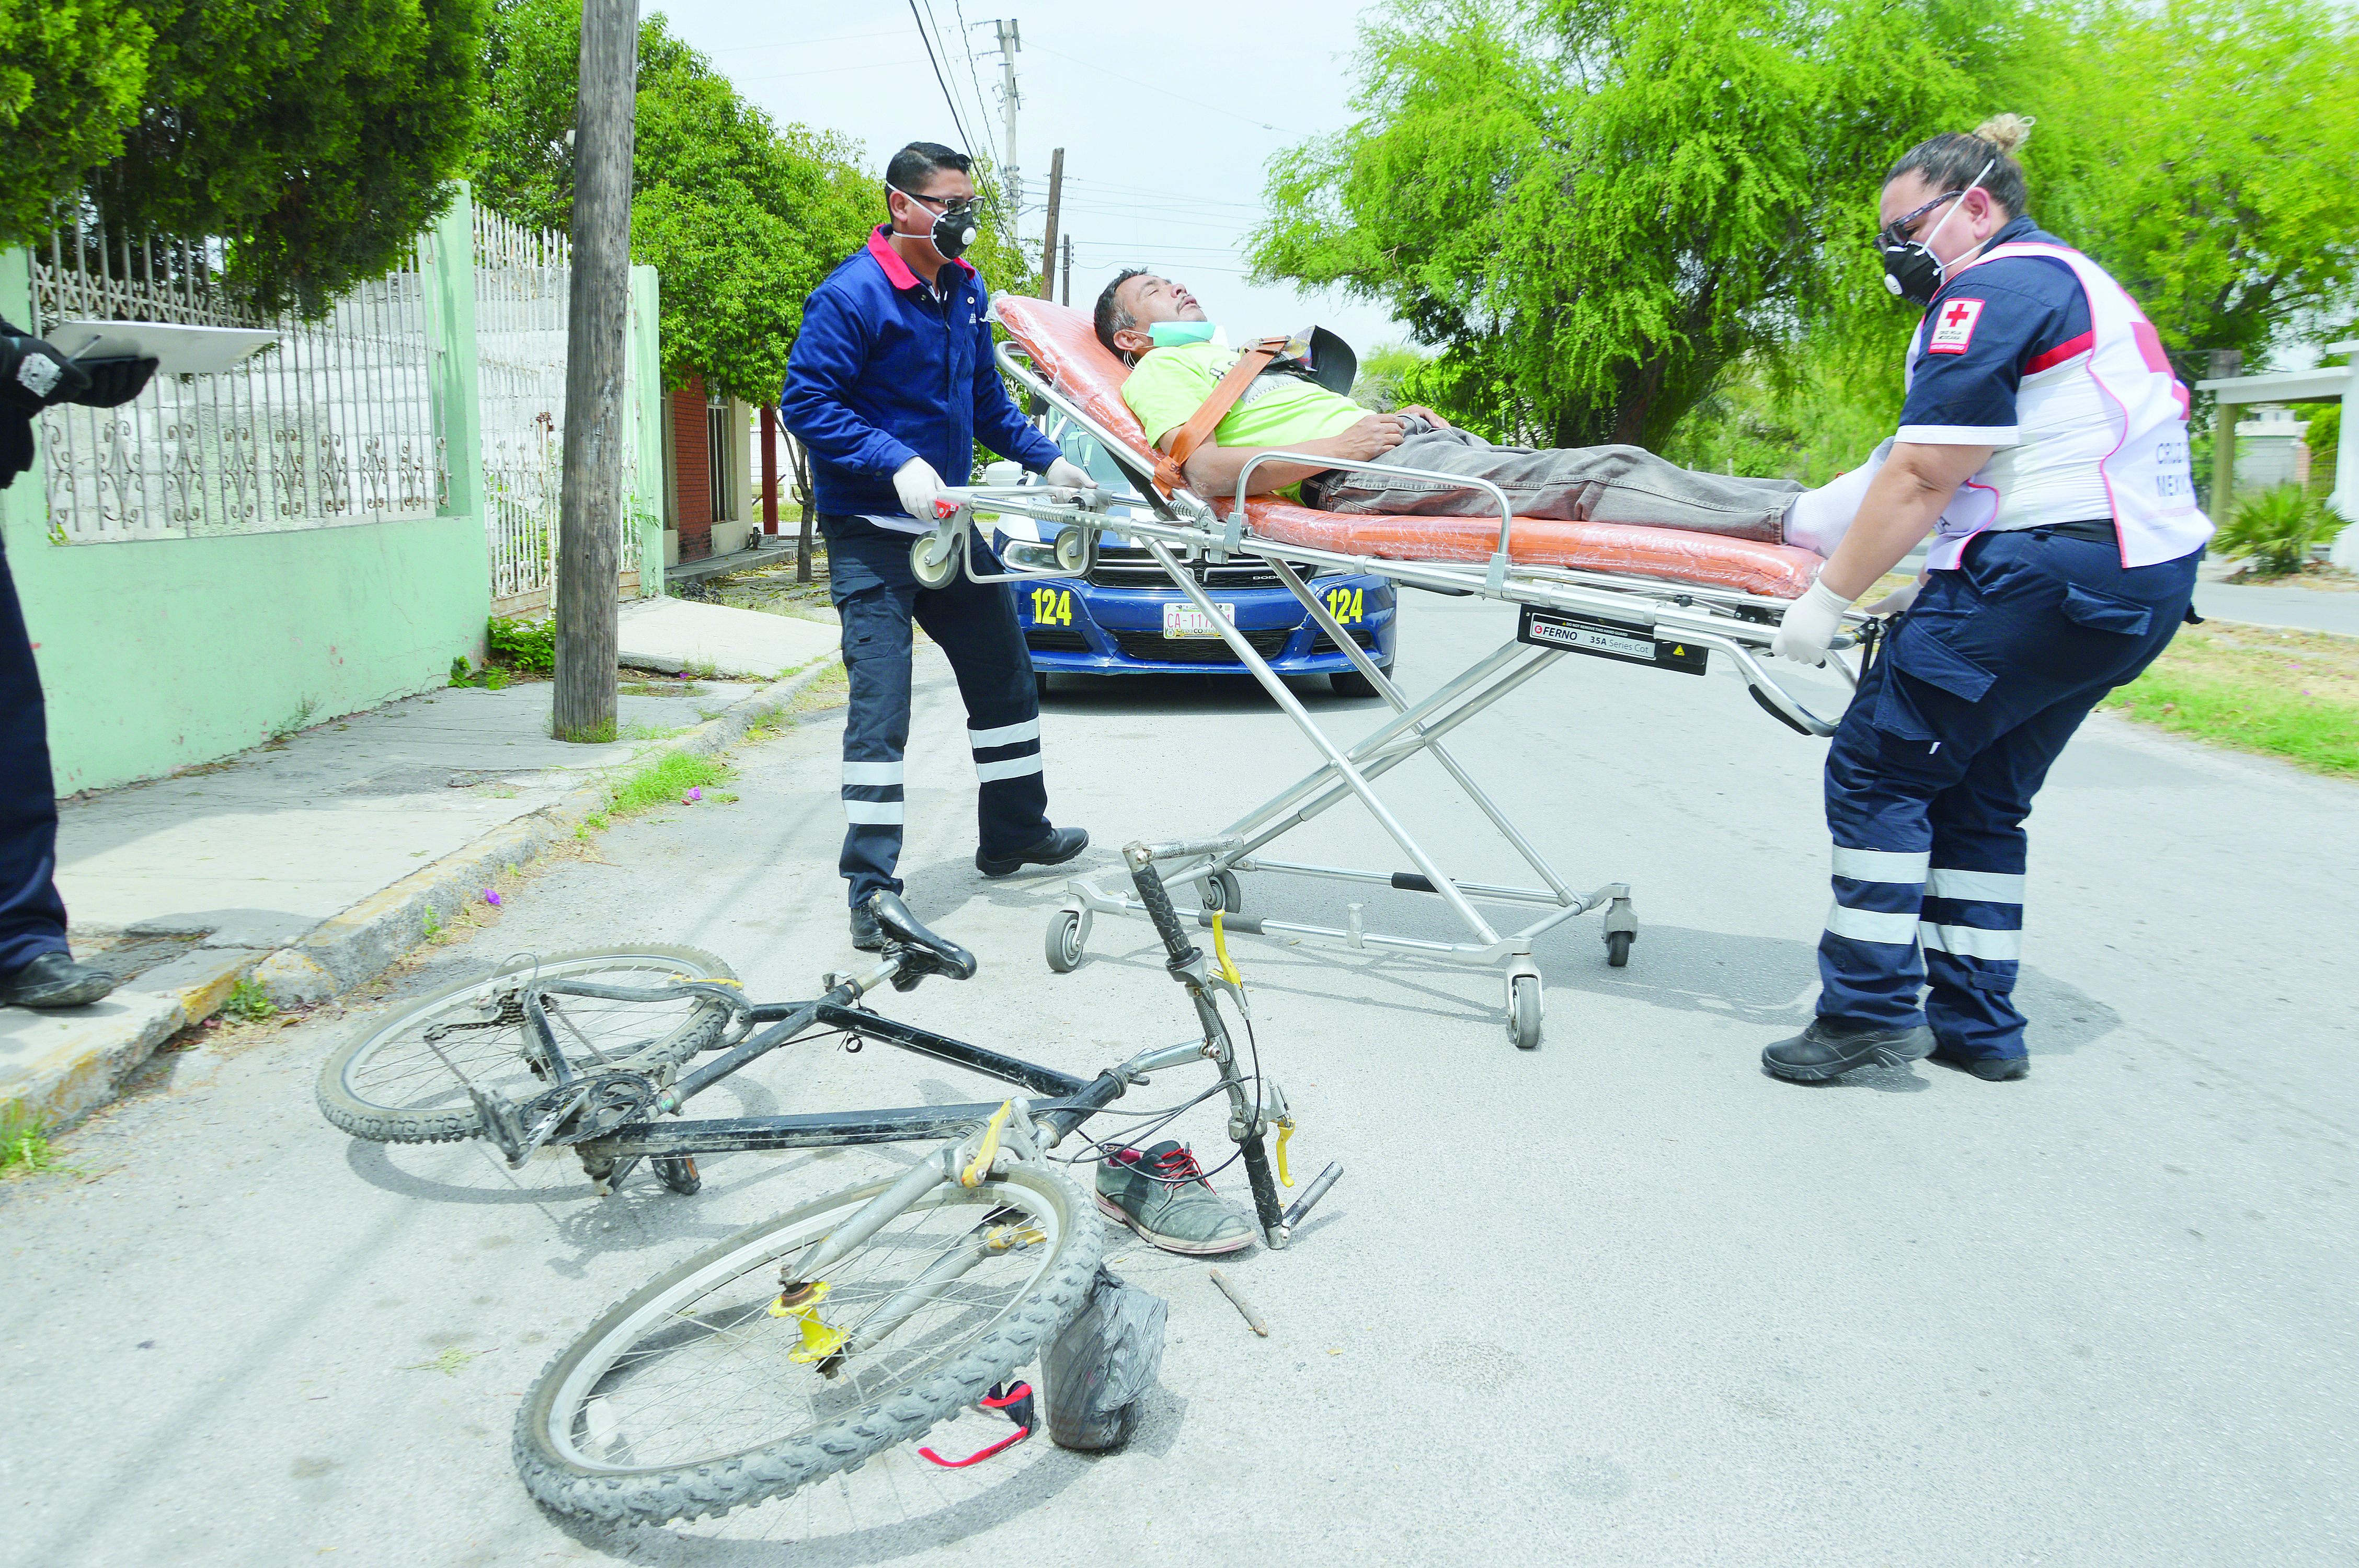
column 1211, row 411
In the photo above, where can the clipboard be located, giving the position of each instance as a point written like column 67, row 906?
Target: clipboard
column 178, row 350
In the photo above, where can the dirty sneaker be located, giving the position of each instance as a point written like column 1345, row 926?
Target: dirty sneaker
column 1161, row 1193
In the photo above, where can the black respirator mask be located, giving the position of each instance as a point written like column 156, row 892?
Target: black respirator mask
column 953, row 228
column 1911, row 270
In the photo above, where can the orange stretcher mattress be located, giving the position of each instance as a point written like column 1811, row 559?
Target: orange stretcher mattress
column 1068, row 353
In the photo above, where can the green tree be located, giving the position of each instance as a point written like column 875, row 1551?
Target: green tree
column 1595, row 208
column 72, row 75
column 742, row 217
column 317, row 140
column 2206, row 153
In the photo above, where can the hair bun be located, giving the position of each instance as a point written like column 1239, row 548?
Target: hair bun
column 2008, row 133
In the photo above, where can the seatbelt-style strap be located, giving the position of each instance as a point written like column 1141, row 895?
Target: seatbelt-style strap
column 1168, row 466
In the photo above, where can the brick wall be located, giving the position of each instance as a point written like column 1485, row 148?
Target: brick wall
column 694, row 498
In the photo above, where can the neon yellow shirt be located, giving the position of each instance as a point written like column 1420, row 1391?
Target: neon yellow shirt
column 1169, row 384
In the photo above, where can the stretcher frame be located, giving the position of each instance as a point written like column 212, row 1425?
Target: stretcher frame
column 1184, row 528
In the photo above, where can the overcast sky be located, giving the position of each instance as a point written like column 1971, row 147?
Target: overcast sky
column 1167, row 117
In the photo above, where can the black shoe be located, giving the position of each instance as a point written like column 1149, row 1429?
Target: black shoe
column 866, row 935
column 1823, row 1052
column 1989, row 1069
column 1061, row 845
column 53, row 979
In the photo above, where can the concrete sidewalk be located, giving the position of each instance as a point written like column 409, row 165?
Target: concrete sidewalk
column 314, row 861
column 685, row 635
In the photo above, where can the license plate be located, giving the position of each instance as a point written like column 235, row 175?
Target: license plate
column 1606, row 640
column 1187, row 621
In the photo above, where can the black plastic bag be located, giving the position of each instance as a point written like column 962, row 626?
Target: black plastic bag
column 1107, row 1357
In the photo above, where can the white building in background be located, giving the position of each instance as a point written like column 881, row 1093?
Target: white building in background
column 2269, row 450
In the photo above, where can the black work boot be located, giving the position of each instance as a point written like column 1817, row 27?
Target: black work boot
column 866, row 935
column 1989, row 1069
column 1061, row 845
column 1823, row 1051
column 55, row 979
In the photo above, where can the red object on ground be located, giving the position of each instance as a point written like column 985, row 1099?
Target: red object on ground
column 1068, row 352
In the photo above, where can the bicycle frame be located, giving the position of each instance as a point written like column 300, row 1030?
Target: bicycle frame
column 609, row 1147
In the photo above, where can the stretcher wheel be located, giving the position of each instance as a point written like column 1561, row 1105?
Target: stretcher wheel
column 1064, row 943
column 933, row 560
column 1617, row 947
column 1221, row 891
column 1523, row 1011
column 1076, row 549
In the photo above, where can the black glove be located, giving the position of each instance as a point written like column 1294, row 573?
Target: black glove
column 112, row 383
column 34, row 374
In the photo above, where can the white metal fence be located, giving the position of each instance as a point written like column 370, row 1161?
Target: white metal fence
column 523, row 283
column 334, row 424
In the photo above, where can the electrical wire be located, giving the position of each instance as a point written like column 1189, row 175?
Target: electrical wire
column 966, row 141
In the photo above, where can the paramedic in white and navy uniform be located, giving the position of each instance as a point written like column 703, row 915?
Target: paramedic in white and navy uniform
column 2043, row 442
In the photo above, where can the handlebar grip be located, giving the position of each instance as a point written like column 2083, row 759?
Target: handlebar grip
column 1166, row 919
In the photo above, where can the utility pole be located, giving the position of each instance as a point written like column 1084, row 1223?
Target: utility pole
column 1010, row 43
column 1069, row 271
column 590, row 514
column 1048, row 243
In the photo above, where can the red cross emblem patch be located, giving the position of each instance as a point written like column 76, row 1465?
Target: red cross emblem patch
column 1953, row 325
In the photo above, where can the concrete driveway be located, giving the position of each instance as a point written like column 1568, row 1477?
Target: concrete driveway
column 1621, row 1300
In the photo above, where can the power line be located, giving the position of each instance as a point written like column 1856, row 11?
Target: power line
column 956, row 122
column 966, row 42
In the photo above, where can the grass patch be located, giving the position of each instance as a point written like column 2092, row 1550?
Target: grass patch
column 653, row 732
column 249, row 1002
column 2286, row 694
column 24, row 1144
column 662, row 782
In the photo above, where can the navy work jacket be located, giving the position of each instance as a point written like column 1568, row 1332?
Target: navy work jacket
column 884, row 370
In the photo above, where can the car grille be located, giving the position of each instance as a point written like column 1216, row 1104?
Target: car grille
column 1155, row 646
column 1055, row 640
column 1129, row 566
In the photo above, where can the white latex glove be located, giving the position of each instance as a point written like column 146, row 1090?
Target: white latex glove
column 1069, row 477
column 1899, row 599
column 919, row 486
column 1809, row 624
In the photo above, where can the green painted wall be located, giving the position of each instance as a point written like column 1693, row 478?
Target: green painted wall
column 158, row 653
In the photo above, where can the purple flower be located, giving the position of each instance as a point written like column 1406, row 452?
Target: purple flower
column 691, row 797
column 491, row 896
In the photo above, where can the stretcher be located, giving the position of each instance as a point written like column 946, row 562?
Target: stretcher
column 1650, row 596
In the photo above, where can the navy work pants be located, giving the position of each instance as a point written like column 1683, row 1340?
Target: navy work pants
column 878, row 597
column 32, row 916
column 1933, row 771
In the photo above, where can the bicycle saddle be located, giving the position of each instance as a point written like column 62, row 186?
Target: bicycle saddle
column 922, row 952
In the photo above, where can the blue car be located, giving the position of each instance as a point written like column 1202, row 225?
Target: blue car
column 1126, row 618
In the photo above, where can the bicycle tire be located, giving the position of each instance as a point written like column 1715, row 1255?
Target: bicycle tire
column 627, row 1342
column 452, row 1117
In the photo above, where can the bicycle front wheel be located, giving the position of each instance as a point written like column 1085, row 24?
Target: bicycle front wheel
column 387, row 1085
column 691, row 1396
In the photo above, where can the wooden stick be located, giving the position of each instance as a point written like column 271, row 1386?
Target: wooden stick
column 1237, row 1300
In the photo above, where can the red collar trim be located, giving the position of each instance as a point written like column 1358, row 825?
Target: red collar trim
column 897, row 271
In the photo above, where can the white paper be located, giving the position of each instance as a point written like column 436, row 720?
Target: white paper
column 179, row 350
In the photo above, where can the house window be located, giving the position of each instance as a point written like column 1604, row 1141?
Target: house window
column 720, row 452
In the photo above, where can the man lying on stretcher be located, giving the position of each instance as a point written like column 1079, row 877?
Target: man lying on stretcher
column 1287, row 411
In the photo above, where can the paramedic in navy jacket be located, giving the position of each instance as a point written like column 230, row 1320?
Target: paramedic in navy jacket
column 890, row 385
column 2043, row 442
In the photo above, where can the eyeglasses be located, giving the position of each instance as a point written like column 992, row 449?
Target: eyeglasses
column 1895, row 233
column 960, row 206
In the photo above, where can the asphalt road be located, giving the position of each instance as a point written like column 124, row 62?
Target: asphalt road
column 1620, row 1300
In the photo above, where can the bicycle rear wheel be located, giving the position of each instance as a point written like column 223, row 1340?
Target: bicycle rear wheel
column 386, row 1084
column 681, row 1402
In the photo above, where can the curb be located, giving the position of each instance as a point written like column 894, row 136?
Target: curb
column 97, row 1048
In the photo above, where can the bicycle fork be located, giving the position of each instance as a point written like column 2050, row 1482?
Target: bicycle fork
column 1251, row 1115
